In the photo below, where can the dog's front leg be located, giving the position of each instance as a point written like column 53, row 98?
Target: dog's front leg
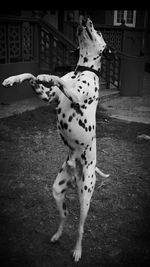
column 12, row 80
column 46, row 94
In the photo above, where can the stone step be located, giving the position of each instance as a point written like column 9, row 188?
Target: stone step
column 107, row 94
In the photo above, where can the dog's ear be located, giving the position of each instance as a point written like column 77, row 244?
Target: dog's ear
column 108, row 53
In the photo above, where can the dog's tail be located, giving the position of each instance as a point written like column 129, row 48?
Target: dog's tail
column 101, row 173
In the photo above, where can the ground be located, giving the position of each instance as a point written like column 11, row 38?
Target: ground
column 117, row 231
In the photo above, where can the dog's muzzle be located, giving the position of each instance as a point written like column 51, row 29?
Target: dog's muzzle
column 83, row 25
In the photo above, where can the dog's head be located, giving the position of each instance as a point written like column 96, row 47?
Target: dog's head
column 89, row 38
column 91, row 42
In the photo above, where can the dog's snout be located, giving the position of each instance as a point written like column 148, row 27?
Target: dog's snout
column 83, row 20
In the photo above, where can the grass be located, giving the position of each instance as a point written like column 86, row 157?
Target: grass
column 117, row 229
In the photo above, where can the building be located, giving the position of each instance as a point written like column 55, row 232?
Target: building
column 43, row 41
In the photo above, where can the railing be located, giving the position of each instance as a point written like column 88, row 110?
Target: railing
column 26, row 40
column 110, row 70
column 55, row 50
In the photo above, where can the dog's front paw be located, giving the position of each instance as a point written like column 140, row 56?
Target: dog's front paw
column 9, row 81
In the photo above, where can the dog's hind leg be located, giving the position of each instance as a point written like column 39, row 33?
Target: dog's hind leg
column 85, row 190
column 59, row 189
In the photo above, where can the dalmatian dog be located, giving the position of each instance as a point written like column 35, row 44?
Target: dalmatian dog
column 77, row 95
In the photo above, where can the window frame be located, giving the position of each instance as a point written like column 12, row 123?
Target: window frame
column 125, row 18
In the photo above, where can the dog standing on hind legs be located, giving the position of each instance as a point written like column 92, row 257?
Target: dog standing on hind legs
column 77, row 94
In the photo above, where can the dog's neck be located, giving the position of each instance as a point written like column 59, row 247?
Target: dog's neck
column 90, row 63
column 80, row 68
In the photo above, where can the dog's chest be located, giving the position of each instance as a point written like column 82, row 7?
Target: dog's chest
column 77, row 122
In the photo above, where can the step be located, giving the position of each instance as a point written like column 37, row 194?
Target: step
column 108, row 94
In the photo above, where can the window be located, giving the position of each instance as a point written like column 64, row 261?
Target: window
column 126, row 16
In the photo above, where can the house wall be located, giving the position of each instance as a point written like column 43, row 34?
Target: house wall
column 97, row 16
column 51, row 17
column 109, row 17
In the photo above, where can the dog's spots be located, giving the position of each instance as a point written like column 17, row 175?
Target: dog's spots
column 58, row 110
column 77, row 108
column 84, row 81
column 63, row 191
column 65, row 142
column 83, row 156
column 64, row 206
column 65, row 213
column 96, row 89
column 89, row 164
column 90, row 128
column 61, row 170
column 85, row 59
column 90, row 101
column 85, row 187
column 70, row 118
column 77, row 142
column 65, row 126
column 84, row 106
column 82, row 124
column 63, row 115
column 61, row 182
column 89, row 190
column 94, row 58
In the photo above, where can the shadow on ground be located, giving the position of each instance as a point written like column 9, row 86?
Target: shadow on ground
column 117, row 231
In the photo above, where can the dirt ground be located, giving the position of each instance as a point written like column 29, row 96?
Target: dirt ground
column 117, row 230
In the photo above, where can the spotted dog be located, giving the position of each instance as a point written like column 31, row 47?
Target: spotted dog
column 77, row 95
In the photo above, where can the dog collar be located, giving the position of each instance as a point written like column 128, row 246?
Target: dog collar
column 83, row 68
